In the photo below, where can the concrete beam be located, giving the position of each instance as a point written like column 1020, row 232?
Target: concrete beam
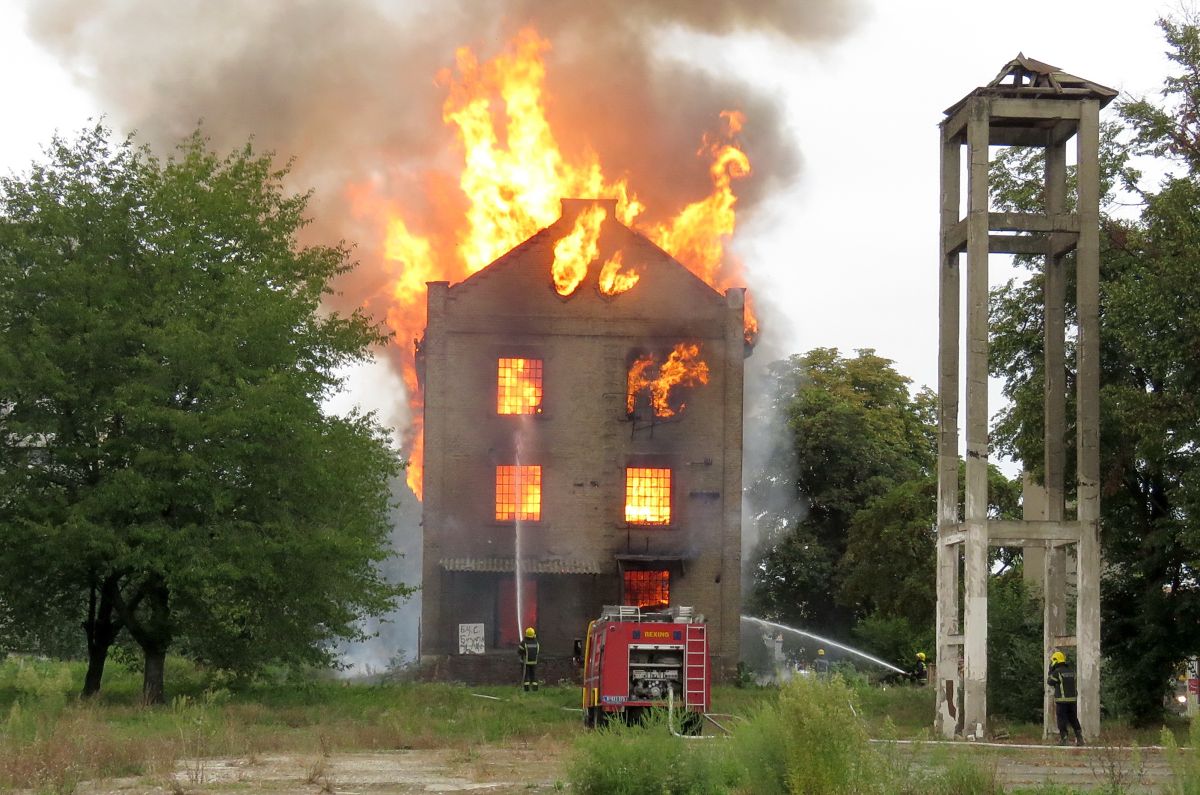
column 954, row 127
column 954, row 237
column 1011, row 108
column 1033, row 222
column 1033, row 244
column 1009, row 530
column 1017, row 136
column 952, row 538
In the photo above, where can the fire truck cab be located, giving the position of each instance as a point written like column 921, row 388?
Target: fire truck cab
column 634, row 660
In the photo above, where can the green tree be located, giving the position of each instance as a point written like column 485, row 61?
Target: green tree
column 1150, row 420
column 891, row 553
column 167, row 468
column 855, row 431
column 888, row 572
column 1016, row 670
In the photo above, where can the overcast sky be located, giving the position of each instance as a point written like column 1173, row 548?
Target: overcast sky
column 846, row 254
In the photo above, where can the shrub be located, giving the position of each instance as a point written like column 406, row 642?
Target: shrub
column 810, row 741
column 1185, row 762
column 646, row 759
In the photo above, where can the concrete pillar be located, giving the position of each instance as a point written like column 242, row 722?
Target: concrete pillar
column 1033, row 508
column 975, row 513
column 1087, row 277
column 1054, row 400
column 946, row 674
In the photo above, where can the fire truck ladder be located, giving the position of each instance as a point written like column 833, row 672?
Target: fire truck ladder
column 695, row 667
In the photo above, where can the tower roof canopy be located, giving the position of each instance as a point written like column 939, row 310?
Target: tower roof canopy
column 1025, row 77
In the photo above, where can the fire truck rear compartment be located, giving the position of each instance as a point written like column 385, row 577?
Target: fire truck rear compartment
column 653, row 669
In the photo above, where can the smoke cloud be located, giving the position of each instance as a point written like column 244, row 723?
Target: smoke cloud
column 349, row 90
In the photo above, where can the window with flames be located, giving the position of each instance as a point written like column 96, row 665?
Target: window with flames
column 518, row 493
column 518, row 386
column 648, row 589
column 647, row 496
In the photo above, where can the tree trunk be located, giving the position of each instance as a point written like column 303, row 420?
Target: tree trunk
column 101, row 631
column 152, row 676
column 97, row 656
column 148, row 617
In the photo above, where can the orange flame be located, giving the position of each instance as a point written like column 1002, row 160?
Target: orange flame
column 697, row 235
column 613, row 280
column 519, row 386
column 647, row 496
column 575, row 251
column 513, row 176
column 514, row 189
column 518, row 493
column 682, row 368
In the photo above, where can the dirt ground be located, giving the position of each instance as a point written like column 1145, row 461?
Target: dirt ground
column 501, row 770
column 484, row 769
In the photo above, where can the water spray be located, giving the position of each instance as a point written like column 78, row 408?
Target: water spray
column 519, row 504
column 826, row 641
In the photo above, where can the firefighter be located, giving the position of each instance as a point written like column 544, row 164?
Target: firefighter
column 920, row 671
column 527, row 650
column 822, row 665
column 1062, row 680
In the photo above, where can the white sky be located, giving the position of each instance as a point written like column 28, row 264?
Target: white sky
column 850, row 251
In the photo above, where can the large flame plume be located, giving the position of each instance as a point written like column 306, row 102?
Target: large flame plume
column 514, row 179
column 683, row 367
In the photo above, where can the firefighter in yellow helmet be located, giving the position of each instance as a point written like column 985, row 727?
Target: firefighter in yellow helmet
column 822, row 665
column 1062, row 681
column 920, row 671
column 528, row 650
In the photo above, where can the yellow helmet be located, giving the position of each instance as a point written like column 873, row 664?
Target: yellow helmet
column 921, row 656
column 821, row 652
column 529, row 633
column 1057, row 657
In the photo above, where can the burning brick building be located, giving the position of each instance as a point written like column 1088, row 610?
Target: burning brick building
column 582, row 446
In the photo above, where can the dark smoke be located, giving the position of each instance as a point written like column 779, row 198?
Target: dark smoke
column 348, row 88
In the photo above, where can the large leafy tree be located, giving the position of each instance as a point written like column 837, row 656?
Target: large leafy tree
column 1150, row 336
column 889, row 568
column 167, row 469
column 854, row 432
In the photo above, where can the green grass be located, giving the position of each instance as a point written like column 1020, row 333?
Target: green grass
column 810, row 737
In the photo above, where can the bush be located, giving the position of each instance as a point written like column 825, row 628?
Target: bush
column 810, row 741
column 1185, row 762
column 646, row 759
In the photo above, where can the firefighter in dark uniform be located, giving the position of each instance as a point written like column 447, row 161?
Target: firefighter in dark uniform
column 920, row 671
column 1062, row 680
column 822, row 665
column 528, row 652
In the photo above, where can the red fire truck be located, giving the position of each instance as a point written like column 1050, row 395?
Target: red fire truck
column 635, row 660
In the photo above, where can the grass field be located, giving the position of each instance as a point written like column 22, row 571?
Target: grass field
column 50, row 741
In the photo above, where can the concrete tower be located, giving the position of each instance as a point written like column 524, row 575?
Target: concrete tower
column 1028, row 104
